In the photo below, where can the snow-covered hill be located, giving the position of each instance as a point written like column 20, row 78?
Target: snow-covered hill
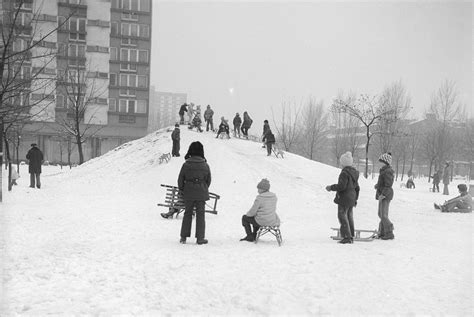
column 92, row 242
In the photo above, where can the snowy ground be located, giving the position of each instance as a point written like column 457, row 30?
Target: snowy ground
column 92, row 242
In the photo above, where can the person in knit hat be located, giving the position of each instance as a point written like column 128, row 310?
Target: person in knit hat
column 193, row 182
column 384, row 194
column 347, row 192
column 262, row 212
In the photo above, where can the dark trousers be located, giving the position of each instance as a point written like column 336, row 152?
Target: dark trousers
column 237, row 130
column 33, row 177
column 445, row 190
column 247, row 222
column 269, row 149
column 175, row 150
column 385, row 225
column 209, row 122
column 344, row 214
column 245, row 131
column 188, row 219
column 435, row 186
column 181, row 119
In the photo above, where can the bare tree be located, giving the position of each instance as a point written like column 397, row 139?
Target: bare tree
column 445, row 106
column 369, row 111
column 345, row 131
column 27, row 51
column 390, row 126
column 314, row 126
column 83, row 94
column 287, row 129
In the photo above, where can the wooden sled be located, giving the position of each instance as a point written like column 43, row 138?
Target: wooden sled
column 174, row 201
column 357, row 233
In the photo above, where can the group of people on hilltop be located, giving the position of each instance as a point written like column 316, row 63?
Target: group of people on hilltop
column 194, row 120
column 240, row 125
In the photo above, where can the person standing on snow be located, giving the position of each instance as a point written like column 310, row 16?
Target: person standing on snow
column 384, row 195
column 35, row 159
column 208, row 117
column 246, row 125
column 436, row 177
column 266, row 127
column 269, row 140
column 347, row 195
column 175, row 136
column 181, row 112
column 237, row 122
column 446, row 179
column 193, row 181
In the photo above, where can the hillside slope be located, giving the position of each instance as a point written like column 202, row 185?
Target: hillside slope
column 91, row 241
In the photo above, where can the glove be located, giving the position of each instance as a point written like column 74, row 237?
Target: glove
column 328, row 188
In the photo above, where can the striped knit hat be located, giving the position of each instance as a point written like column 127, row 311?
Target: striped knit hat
column 386, row 158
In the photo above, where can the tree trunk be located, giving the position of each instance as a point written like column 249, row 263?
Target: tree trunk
column 429, row 173
column 396, row 173
column 403, row 168
column 1, row 157
column 9, row 165
column 79, row 149
column 367, row 153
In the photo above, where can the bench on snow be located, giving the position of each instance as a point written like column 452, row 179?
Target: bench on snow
column 174, row 201
column 357, row 233
column 275, row 230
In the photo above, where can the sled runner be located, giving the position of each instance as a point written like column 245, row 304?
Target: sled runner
column 175, row 203
column 357, row 233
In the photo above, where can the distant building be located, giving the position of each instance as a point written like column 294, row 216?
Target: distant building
column 164, row 108
column 108, row 40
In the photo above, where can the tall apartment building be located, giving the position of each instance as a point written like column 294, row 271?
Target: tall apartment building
column 106, row 42
column 164, row 108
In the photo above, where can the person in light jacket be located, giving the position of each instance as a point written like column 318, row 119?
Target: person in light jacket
column 262, row 212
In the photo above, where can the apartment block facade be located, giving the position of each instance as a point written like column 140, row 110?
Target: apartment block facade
column 107, row 43
column 164, row 108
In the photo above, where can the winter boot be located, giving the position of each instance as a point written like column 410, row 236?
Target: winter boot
column 248, row 238
column 182, row 240
column 202, row 241
column 345, row 241
column 436, row 206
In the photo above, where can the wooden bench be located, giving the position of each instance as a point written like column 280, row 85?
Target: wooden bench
column 275, row 230
column 357, row 233
column 174, row 201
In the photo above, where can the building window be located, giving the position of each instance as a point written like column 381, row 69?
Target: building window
column 112, row 104
column 141, row 81
column 113, row 53
column 77, row 25
column 114, row 28
column 127, row 106
column 126, row 29
column 143, row 56
column 141, row 106
column 59, row 101
column 144, row 30
column 116, row 4
column 145, row 5
column 113, row 79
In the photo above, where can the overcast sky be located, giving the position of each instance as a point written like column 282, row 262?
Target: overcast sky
column 253, row 55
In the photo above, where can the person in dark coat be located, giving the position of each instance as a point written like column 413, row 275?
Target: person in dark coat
column 347, row 189
column 223, row 128
column 269, row 140
column 175, row 136
column 182, row 110
column 384, row 195
column 436, row 179
column 410, row 183
column 35, row 159
column 446, row 179
column 266, row 127
column 196, row 123
column 193, row 181
column 246, row 125
column 237, row 122
column 208, row 114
